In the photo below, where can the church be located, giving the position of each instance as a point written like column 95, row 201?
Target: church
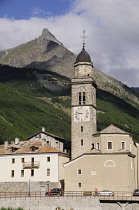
column 106, row 160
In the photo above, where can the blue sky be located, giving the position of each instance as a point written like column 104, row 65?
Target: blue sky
column 111, row 28
column 28, row 8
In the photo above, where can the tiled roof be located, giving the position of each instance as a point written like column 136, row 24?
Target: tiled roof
column 37, row 144
column 113, row 129
column 47, row 134
column 24, row 148
column 48, row 148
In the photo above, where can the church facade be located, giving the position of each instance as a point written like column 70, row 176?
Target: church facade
column 106, row 160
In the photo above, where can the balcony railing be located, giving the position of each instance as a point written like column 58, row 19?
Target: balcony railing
column 31, row 165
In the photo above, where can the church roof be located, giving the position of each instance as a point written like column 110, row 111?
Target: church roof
column 113, row 129
column 83, row 56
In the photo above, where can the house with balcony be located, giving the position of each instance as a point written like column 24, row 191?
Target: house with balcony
column 32, row 165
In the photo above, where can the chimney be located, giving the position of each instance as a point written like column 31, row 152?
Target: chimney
column 16, row 140
column 43, row 129
column 6, row 144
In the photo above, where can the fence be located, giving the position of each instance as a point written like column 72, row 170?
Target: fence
column 116, row 196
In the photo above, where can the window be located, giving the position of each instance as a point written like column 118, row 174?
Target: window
column 81, row 128
column 79, row 184
column 13, row 160
column 81, row 142
column 97, row 146
column 32, row 161
column 109, row 163
column 32, row 172
column 12, row 173
column 48, row 171
column 79, row 171
column 22, row 173
column 81, row 98
column 48, row 159
column 57, row 145
column 22, row 160
column 123, row 146
column 109, row 144
column 33, row 149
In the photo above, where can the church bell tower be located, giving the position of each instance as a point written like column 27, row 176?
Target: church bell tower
column 83, row 105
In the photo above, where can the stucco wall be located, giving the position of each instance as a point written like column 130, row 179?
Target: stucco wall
column 104, row 172
column 40, row 173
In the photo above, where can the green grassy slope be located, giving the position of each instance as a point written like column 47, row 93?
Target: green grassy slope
column 26, row 106
column 113, row 110
column 22, row 116
column 22, row 112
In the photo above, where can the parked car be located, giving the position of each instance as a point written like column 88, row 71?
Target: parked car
column 105, row 192
column 136, row 192
column 55, row 191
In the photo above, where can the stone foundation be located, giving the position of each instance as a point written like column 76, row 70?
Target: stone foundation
column 27, row 186
column 64, row 203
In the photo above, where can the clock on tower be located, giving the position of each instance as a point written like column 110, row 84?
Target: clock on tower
column 83, row 105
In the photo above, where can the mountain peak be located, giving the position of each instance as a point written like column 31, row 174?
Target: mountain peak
column 48, row 36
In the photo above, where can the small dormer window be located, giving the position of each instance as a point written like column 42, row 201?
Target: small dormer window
column 33, row 149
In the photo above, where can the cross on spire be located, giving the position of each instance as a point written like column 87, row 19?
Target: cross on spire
column 84, row 37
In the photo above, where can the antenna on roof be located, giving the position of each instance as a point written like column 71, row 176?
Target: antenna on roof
column 84, row 37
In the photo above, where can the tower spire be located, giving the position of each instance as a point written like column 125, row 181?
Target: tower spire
column 83, row 38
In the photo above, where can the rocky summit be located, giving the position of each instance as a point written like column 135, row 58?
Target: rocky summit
column 47, row 53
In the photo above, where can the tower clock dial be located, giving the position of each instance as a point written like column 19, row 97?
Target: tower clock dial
column 81, row 113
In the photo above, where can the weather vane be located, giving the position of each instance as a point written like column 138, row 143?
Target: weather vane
column 84, row 37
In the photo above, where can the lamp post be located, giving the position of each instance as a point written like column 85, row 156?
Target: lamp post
column 29, row 189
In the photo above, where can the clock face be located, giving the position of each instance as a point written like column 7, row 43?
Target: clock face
column 81, row 113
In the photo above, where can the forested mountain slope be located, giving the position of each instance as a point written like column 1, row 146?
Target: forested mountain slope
column 26, row 106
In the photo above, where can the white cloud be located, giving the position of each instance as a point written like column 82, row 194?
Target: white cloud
column 36, row 12
column 111, row 27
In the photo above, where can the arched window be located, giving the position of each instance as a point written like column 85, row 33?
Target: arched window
column 109, row 163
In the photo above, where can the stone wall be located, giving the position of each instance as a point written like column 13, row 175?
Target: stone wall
column 120, row 206
column 26, row 186
column 62, row 203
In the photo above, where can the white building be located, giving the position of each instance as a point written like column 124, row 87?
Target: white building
column 33, row 163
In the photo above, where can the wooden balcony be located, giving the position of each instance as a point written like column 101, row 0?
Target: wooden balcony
column 31, row 165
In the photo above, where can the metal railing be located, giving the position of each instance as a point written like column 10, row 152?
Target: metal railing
column 35, row 164
column 118, row 196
